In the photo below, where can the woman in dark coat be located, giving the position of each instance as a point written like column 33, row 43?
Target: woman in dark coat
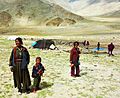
column 74, row 59
column 19, row 61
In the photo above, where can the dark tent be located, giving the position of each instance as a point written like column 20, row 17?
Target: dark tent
column 44, row 44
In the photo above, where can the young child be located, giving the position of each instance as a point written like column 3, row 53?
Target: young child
column 37, row 72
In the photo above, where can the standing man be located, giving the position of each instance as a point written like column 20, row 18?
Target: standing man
column 84, row 43
column 19, row 61
column 87, row 44
column 74, row 60
column 110, row 49
column 98, row 46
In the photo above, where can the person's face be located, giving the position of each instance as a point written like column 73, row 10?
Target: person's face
column 18, row 44
column 76, row 45
column 38, row 61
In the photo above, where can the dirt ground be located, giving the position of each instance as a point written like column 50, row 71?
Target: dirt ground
column 99, row 72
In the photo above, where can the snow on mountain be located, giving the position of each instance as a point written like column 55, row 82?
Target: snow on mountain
column 90, row 7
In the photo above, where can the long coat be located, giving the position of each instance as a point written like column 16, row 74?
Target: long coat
column 74, row 55
column 20, row 69
column 111, row 47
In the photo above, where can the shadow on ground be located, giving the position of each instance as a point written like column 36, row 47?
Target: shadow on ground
column 46, row 85
column 84, row 73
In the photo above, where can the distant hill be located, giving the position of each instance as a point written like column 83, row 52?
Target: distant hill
column 112, row 14
column 35, row 12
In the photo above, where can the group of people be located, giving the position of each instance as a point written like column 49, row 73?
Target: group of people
column 75, row 54
column 86, row 44
column 110, row 48
column 20, row 59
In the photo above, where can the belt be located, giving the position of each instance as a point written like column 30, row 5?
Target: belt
column 18, row 60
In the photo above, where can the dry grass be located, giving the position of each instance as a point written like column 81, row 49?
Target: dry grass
column 99, row 74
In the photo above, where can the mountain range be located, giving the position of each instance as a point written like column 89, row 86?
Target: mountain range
column 35, row 12
column 89, row 7
column 54, row 12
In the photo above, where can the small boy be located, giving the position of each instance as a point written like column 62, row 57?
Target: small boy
column 37, row 72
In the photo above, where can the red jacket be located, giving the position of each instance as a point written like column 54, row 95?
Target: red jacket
column 74, row 55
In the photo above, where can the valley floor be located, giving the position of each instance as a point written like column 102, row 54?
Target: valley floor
column 111, row 19
column 100, row 74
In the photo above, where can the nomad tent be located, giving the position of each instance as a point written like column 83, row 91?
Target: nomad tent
column 44, row 44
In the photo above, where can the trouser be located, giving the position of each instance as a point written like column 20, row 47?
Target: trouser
column 25, row 80
column 110, row 52
column 17, row 75
column 21, row 77
column 36, row 82
column 98, row 48
column 73, row 70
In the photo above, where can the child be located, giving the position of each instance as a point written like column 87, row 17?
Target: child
column 38, row 70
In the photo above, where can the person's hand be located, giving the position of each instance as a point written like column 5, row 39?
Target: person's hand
column 71, row 65
column 11, row 69
column 70, row 62
column 40, row 72
column 34, row 75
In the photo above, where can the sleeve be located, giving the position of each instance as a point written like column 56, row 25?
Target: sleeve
column 43, row 68
column 71, row 56
column 11, row 59
column 33, row 74
column 78, row 50
column 28, row 56
column 113, row 46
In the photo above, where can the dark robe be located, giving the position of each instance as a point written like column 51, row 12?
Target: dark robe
column 19, row 61
column 111, row 47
